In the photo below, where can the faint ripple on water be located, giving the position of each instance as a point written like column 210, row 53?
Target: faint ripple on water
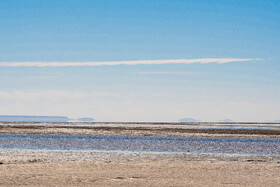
column 219, row 145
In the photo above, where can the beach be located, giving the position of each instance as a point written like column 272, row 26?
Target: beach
column 119, row 166
column 35, row 168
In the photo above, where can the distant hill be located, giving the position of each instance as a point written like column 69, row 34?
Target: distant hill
column 9, row 118
column 188, row 120
column 227, row 120
column 85, row 119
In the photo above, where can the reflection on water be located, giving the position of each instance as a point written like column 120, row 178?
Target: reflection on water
column 218, row 145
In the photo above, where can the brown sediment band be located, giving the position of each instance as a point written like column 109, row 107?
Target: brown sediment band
column 151, row 129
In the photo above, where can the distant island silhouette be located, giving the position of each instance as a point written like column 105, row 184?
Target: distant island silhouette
column 23, row 118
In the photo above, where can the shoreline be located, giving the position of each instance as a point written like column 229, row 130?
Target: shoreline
column 113, row 129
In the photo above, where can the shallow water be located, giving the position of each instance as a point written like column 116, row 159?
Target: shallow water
column 216, row 145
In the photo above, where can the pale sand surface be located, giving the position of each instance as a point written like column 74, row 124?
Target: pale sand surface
column 86, row 168
column 140, row 174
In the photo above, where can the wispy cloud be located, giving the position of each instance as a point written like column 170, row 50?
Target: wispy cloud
column 43, row 77
column 115, row 63
column 168, row 73
column 52, row 95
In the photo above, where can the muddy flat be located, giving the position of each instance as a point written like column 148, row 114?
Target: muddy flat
column 139, row 154
column 164, row 129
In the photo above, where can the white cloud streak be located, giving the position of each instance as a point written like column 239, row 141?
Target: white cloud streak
column 115, row 63
column 53, row 95
column 169, row 73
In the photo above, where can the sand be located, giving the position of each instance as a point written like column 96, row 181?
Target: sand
column 140, row 174
column 54, row 168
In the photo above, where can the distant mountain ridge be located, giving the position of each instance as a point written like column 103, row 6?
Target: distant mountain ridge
column 227, row 120
column 188, row 120
column 19, row 118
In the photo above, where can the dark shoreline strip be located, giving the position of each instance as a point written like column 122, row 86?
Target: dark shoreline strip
column 147, row 123
column 158, row 129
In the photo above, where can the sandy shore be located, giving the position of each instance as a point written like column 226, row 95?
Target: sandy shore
column 74, row 168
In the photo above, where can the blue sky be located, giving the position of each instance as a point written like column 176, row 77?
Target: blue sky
column 65, row 31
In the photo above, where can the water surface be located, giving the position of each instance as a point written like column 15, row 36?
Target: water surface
column 218, row 145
